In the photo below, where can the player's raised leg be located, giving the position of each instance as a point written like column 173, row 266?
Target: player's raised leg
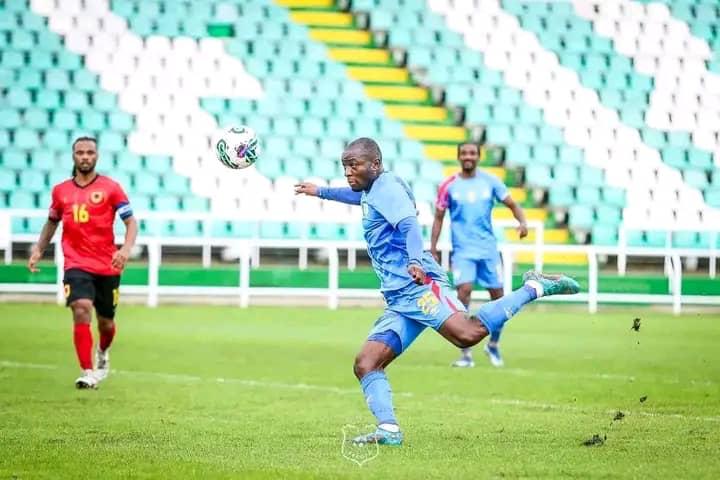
column 492, row 347
column 464, row 292
column 465, row 331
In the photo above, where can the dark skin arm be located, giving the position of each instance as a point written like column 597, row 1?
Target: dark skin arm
column 47, row 233
column 435, row 232
column 519, row 215
column 120, row 257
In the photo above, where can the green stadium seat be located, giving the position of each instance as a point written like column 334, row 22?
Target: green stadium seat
column 270, row 166
column 36, row 118
column 29, row 78
column 608, row 214
column 18, row 97
column 296, row 230
column 312, row 127
column 162, row 202
column 712, row 197
column 432, row 171
column 679, row 139
column 498, row 134
column 158, row 163
column 111, row 142
column 614, row 196
column 76, row 100
column 591, row 176
column 561, row 196
column 195, row 204
column 22, row 199
column 85, row 81
column 546, row 154
column 565, row 174
column 616, row 80
column 272, row 229
column 674, row 156
column 140, row 203
column 588, row 195
column 104, row 101
column 696, row 178
column 580, row 217
column 174, row 184
column 35, row 225
column 613, row 99
column 551, row 135
column 4, row 139
column 57, row 79
column 14, row 159
column 93, row 121
column 655, row 238
column 700, row 159
column 244, row 229
column 538, row 175
column 32, row 181
column 155, row 227
column 12, row 59
column 57, row 176
column 327, row 231
column 685, row 240
column 297, row 167
column 478, row 114
column 17, row 224
column 220, row 229
column 186, row 228
column 128, row 162
column 56, row 140
column 124, row 179
column 305, row 146
column 26, row 138
column 65, row 119
column 47, row 99
column 518, row 155
column 527, row 134
column 324, row 168
column 148, row 183
column 604, row 235
column 8, row 181
column 10, row 118
column 42, row 159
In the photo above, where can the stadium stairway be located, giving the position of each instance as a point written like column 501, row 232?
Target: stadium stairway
column 412, row 104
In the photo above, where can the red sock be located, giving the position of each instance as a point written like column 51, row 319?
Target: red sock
column 106, row 338
column 82, row 336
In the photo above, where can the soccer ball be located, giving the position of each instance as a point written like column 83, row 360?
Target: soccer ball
column 236, row 147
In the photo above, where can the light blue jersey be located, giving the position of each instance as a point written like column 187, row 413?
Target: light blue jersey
column 471, row 201
column 388, row 201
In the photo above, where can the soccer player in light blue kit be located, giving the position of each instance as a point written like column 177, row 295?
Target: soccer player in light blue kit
column 416, row 289
column 470, row 196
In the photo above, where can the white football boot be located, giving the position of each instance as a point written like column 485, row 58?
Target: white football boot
column 102, row 364
column 86, row 380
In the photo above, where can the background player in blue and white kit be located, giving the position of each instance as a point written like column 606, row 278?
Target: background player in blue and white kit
column 470, row 195
column 416, row 289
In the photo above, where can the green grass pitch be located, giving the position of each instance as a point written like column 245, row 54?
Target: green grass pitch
column 219, row 392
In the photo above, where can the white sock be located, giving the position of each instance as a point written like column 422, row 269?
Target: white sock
column 537, row 286
column 389, row 427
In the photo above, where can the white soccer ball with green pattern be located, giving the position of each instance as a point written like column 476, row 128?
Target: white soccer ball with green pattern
column 236, row 147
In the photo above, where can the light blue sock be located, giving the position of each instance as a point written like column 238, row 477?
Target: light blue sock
column 378, row 396
column 495, row 337
column 494, row 314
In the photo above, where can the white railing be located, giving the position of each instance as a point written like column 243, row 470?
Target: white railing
column 249, row 255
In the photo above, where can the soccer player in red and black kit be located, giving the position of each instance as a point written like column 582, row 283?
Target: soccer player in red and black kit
column 87, row 204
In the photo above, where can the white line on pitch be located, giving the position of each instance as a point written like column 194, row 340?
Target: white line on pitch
column 345, row 391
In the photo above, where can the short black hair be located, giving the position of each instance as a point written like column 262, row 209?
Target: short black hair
column 368, row 146
column 84, row 139
column 462, row 144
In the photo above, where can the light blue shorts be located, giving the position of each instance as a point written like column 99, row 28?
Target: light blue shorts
column 411, row 310
column 486, row 272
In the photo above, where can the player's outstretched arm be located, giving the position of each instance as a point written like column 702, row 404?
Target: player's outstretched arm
column 519, row 215
column 435, row 232
column 120, row 257
column 38, row 249
column 342, row 194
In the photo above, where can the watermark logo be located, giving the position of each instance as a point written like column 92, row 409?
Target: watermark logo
column 358, row 452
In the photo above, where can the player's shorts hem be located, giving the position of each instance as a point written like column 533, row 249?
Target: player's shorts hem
column 390, row 338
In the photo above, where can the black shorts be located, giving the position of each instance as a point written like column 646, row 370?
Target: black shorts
column 103, row 290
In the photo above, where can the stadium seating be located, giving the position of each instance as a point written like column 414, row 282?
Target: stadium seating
column 153, row 83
